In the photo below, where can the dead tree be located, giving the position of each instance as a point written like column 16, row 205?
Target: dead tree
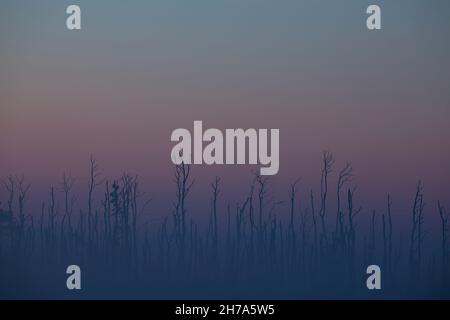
column 216, row 191
column 240, row 209
column 416, row 240
column 384, row 235
column 67, row 184
column 106, row 203
column 116, row 205
column 41, row 228
column 313, row 215
column 304, row 215
column 10, row 186
column 251, row 211
column 372, row 244
column 52, row 216
column 352, row 213
column 350, row 237
column 131, row 194
column 23, row 189
column 94, row 181
column 262, row 191
column 444, row 215
column 126, row 194
column 327, row 165
column 389, row 233
column 251, row 216
column 292, row 196
column 345, row 176
column 6, row 217
column 184, row 185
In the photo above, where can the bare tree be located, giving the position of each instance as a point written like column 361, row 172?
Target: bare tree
column 291, row 229
column 415, row 250
column 262, row 191
column 351, row 222
column 67, row 184
column 327, row 165
column 95, row 180
column 216, row 191
column 184, row 185
column 383, row 228
column 292, row 195
column 389, row 233
column 106, row 203
column 372, row 244
column 444, row 215
column 345, row 176
column 52, row 214
column 23, row 189
column 10, row 186
column 313, row 215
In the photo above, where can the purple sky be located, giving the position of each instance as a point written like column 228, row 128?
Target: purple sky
column 135, row 73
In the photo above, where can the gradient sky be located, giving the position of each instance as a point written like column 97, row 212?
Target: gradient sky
column 139, row 70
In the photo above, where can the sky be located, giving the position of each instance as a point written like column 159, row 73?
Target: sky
column 138, row 70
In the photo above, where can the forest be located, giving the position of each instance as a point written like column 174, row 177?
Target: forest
column 320, row 251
